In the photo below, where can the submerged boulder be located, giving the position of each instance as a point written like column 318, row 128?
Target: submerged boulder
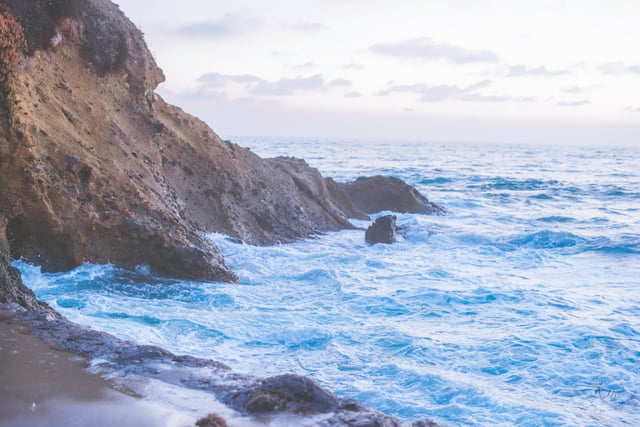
column 383, row 230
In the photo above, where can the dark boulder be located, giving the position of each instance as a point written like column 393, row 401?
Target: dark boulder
column 379, row 193
column 383, row 230
column 291, row 393
column 212, row 420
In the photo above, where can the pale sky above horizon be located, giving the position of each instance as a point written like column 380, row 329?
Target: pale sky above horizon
column 521, row 71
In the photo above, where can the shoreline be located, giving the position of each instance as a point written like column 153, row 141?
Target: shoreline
column 56, row 372
column 41, row 386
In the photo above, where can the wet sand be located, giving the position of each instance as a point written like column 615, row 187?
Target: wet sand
column 44, row 387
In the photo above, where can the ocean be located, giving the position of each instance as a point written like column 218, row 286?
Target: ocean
column 520, row 307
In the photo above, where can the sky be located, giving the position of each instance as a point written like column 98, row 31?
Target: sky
column 525, row 71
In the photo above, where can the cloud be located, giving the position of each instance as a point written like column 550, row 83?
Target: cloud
column 476, row 97
column 573, row 103
column 353, row 66
column 632, row 109
column 227, row 26
column 306, row 65
column 439, row 93
column 307, row 26
column 340, row 82
column 289, row 86
column 281, row 54
column 427, row 50
column 618, row 68
column 523, row 70
column 576, row 89
column 255, row 85
column 217, row 79
column 434, row 93
column 353, row 94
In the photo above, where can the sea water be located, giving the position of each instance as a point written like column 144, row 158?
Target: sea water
column 521, row 306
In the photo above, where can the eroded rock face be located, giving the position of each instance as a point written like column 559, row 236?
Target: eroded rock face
column 79, row 153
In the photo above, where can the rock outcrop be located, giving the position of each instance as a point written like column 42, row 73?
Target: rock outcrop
column 383, row 230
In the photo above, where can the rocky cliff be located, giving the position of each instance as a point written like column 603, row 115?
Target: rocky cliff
column 96, row 167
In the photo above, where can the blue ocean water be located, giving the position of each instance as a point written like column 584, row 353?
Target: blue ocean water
column 521, row 307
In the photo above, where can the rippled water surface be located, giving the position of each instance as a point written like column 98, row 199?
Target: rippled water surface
column 519, row 307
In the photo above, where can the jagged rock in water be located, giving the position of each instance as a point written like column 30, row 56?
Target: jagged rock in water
column 383, row 230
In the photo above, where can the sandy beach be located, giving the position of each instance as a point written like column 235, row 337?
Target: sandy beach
column 40, row 386
column 43, row 387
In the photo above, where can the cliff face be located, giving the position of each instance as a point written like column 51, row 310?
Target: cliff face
column 96, row 167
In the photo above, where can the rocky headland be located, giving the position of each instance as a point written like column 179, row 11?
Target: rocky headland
column 96, row 167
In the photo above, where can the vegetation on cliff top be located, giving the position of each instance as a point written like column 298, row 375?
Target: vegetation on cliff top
column 102, row 44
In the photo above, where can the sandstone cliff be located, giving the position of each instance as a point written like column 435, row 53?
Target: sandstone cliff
column 96, row 167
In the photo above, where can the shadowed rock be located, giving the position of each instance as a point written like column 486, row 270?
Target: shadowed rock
column 383, row 230
column 211, row 420
column 291, row 393
column 12, row 290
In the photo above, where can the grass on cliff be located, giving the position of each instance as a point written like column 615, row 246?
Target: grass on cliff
column 104, row 44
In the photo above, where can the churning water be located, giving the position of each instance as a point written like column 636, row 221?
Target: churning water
column 519, row 307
